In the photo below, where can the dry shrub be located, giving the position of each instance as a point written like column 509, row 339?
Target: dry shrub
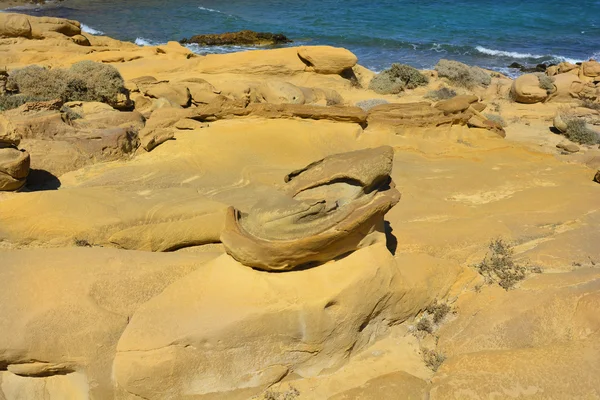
column 291, row 394
column 462, row 75
column 433, row 359
column 397, row 78
column 497, row 119
column 440, row 94
column 499, row 265
column 438, row 311
column 366, row 105
column 546, row 82
column 577, row 131
column 84, row 81
column 8, row 102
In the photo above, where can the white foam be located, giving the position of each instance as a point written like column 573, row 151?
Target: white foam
column 512, row 54
column 144, row 42
column 88, row 29
column 210, row 10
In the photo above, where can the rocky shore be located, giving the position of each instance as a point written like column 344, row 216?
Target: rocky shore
column 286, row 224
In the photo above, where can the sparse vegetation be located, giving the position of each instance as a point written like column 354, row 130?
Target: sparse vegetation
column 366, row 105
column 291, row 394
column 546, row 82
column 84, row 81
column 577, row 131
column 396, row 79
column 594, row 105
column 433, row 359
column 438, row 311
column 8, row 102
column 440, row 94
column 499, row 265
column 497, row 119
column 462, row 75
column 82, row 243
column 425, row 325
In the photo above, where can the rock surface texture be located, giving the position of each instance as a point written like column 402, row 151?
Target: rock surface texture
column 327, row 209
column 204, row 269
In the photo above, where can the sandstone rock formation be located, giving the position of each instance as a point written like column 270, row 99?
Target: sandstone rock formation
column 327, row 209
column 14, row 166
column 526, row 89
column 19, row 25
column 241, row 38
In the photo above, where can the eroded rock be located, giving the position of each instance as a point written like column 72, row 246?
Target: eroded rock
column 331, row 207
column 245, row 37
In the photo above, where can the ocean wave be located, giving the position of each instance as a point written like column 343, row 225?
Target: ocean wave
column 203, row 50
column 511, row 54
column 88, row 29
column 140, row 41
column 535, row 57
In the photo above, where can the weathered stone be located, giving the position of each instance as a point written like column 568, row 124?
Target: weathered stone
column 590, row 68
column 326, row 59
column 597, row 177
column 568, row 147
column 559, row 123
column 329, row 208
column 14, row 25
column 456, row 104
column 526, row 89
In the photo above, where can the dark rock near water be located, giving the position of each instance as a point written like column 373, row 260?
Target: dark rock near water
column 238, row 38
column 537, row 68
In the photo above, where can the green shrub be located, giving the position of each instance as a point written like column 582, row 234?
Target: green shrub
column 546, row 82
column 577, row 131
column 8, row 102
column 462, row 75
column 440, row 94
column 84, row 81
column 497, row 119
column 366, row 105
column 397, row 78
column 499, row 265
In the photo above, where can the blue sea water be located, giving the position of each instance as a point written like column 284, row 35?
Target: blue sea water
column 488, row 33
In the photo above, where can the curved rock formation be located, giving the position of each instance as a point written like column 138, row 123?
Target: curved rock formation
column 329, row 208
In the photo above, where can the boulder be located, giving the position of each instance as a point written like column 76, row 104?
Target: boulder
column 326, row 59
column 559, row 123
column 526, row 89
column 568, row 87
column 241, row 38
column 326, row 209
column 597, row 177
column 202, row 92
column 590, row 68
column 568, row 147
column 14, row 25
column 14, row 168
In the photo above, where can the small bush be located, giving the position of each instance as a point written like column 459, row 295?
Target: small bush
column 9, row 102
column 497, row 119
column 291, row 394
column 366, row 105
column 438, row 311
column 590, row 104
column 424, row 325
column 82, row 243
column 577, row 131
column 397, row 78
column 433, row 359
column 440, row 94
column 69, row 114
column 546, row 82
column 462, row 75
column 84, row 81
column 499, row 265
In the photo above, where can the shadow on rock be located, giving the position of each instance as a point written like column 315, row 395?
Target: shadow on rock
column 40, row 179
column 391, row 240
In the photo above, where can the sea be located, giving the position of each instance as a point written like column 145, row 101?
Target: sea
column 489, row 33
